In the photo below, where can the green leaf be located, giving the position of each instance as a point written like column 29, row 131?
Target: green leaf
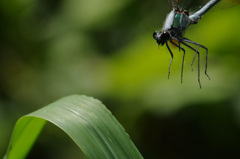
column 86, row 120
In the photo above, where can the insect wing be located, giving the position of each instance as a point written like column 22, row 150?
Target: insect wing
column 194, row 5
column 189, row 5
column 224, row 4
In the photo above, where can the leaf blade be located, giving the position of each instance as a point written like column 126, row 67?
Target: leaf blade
column 90, row 125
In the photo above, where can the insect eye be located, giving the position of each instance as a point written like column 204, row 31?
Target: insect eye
column 165, row 35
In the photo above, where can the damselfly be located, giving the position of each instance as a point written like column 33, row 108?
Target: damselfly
column 183, row 14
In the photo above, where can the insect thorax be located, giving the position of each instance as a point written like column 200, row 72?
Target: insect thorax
column 176, row 22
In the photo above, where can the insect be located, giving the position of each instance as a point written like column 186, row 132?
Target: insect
column 183, row 14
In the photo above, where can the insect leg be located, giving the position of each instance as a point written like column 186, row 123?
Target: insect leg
column 198, row 62
column 196, row 52
column 170, row 60
column 182, row 58
column 199, row 68
column 189, row 41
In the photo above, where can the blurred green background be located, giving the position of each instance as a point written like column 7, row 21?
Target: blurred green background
column 104, row 48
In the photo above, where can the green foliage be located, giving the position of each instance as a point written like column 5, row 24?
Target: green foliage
column 86, row 120
column 105, row 49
